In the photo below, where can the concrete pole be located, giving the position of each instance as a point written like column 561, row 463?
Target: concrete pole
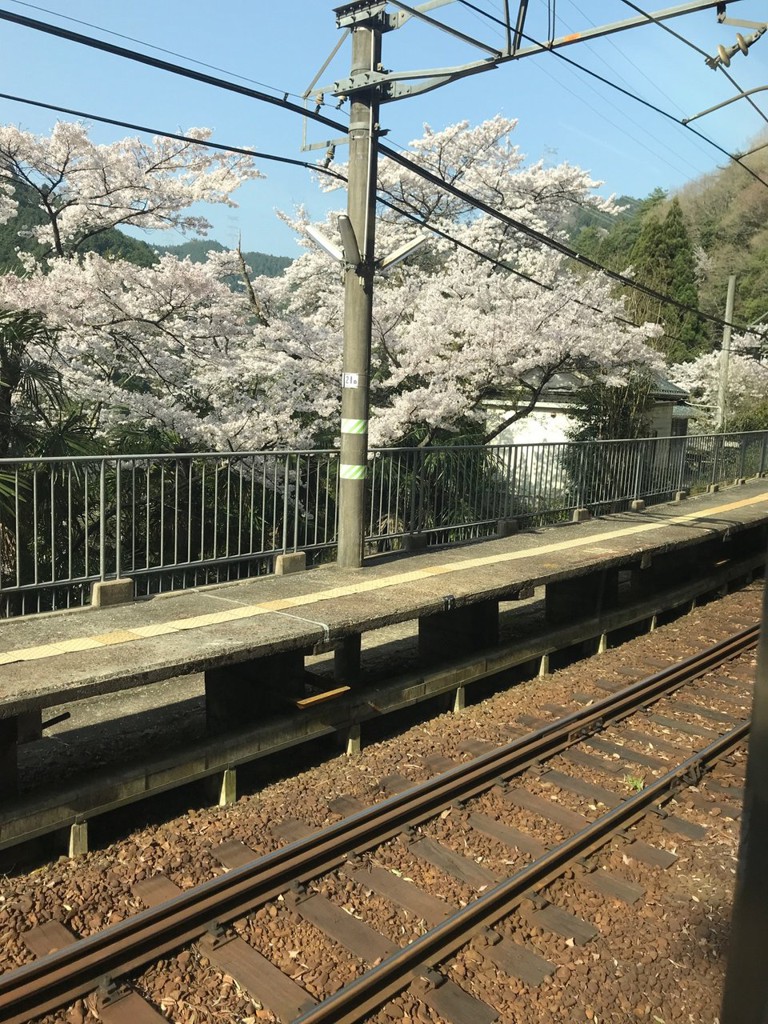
column 745, row 999
column 358, row 299
column 725, row 357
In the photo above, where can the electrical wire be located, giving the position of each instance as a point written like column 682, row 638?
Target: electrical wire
column 407, row 214
column 206, row 143
column 152, row 46
column 551, row 243
column 638, row 99
column 693, row 46
column 385, row 150
column 164, row 65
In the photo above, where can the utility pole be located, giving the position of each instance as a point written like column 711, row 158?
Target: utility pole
column 725, row 356
column 366, row 28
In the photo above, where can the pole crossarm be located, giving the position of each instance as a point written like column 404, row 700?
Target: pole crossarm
column 726, row 103
column 395, row 85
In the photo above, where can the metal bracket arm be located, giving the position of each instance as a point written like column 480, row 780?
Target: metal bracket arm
column 386, row 82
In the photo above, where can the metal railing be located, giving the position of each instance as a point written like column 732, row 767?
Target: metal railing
column 173, row 522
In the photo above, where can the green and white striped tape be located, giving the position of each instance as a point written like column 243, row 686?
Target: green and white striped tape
column 354, row 426
column 353, row 472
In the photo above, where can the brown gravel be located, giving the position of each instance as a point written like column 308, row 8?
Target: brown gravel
column 661, row 961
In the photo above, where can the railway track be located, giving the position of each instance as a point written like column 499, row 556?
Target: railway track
column 683, row 720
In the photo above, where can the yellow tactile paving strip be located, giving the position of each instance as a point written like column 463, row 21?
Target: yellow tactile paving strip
column 91, row 643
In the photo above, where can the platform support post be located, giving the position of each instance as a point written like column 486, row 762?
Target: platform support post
column 459, row 699
column 78, row 839
column 9, row 766
column 238, row 694
column 228, row 788
column 581, row 596
column 654, row 623
column 458, row 631
column 346, row 659
column 602, row 645
column 544, row 666
column 354, row 743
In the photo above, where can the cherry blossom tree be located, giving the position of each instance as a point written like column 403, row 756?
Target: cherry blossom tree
column 83, row 188
column 452, row 328
column 747, row 384
column 483, row 310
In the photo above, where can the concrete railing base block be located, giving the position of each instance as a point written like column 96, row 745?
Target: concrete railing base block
column 415, row 542
column 107, row 593
column 681, row 495
column 638, row 505
column 285, row 565
column 581, row 515
column 507, row 527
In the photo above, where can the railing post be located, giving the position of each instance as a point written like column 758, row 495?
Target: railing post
column 286, row 474
column 742, row 454
column 102, row 520
column 637, row 445
column 762, row 455
column 717, row 444
column 118, row 520
column 683, row 458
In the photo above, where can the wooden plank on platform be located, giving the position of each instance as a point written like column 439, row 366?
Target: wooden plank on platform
column 319, row 698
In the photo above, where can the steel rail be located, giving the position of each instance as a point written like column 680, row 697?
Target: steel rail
column 363, row 995
column 69, row 973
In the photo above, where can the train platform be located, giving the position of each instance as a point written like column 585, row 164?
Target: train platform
column 251, row 639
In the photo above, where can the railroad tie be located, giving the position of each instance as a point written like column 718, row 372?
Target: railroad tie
column 115, row 1005
column 233, row 956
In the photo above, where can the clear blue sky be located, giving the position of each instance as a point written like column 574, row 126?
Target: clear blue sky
column 563, row 114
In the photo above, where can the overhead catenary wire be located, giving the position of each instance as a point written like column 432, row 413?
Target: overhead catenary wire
column 325, row 171
column 693, row 46
column 638, row 99
column 169, row 66
column 502, row 265
column 552, row 243
column 385, row 150
column 154, row 46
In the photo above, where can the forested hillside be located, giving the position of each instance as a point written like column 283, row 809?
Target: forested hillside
column 17, row 234
column 687, row 245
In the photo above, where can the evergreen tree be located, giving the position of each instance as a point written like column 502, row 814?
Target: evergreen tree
column 663, row 259
column 610, row 411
